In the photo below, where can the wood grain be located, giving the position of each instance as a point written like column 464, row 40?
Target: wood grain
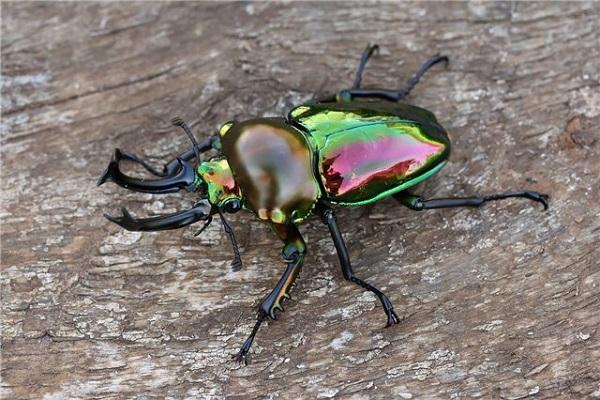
column 498, row 302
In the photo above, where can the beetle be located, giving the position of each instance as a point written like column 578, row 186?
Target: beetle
column 349, row 149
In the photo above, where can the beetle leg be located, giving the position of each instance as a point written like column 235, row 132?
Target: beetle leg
column 206, row 224
column 161, row 222
column 418, row 203
column 348, row 95
column 364, row 59
column 328, row 218
column 293, row 253
column 236, row 264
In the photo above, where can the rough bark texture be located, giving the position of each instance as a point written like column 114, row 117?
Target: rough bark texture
column 498, row 302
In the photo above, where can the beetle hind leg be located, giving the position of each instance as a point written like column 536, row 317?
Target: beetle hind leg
column 418, row 203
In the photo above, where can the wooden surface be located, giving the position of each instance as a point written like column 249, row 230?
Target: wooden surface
column 498, row 302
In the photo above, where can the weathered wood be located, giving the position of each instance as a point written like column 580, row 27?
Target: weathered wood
column 499, row 302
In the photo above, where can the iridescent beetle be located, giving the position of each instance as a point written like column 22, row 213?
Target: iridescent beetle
column 336, row 151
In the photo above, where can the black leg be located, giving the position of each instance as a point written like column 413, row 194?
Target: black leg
column 364, row 59
column 162, row 222
column 386, row 94
column 208, row 221
column 242, row 355
column 329, row 219
column 293, row 252
column 236, row 264
column 418, row 203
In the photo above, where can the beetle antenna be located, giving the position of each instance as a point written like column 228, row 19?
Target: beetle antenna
column 236, row 264
column 177, row 121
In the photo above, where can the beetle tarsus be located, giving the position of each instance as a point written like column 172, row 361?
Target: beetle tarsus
column 242, row 356
column 206, row 224
column 177, row 121
column 293, row 252
column 392, row 317
column 412, row 82
column 364, row 59
column 236, row 264
column 388, row 308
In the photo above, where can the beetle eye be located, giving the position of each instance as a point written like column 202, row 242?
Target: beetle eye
column 232, row 206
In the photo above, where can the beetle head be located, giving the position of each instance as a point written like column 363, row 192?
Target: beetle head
column 221, row 189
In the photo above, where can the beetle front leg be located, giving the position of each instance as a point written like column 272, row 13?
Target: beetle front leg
column 328, row 218
column 418, row 203
column 293, row 253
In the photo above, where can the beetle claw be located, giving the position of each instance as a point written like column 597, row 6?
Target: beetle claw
column 392, row 318
column 236, row 265
column 544, row 200
column 241, row 357
column 539, row 197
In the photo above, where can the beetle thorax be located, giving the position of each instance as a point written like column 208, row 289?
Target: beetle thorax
column 272, row 164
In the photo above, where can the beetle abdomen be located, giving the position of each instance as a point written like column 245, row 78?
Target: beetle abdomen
column 369, row 151
column 272, row 164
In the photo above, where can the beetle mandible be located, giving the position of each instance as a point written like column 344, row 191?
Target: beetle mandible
column 350, row 149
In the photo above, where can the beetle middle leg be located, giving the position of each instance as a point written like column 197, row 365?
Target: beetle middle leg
column 293, row 253
column 364, row 59
column 328, row 218
column 418, row 203
column 355, row 92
